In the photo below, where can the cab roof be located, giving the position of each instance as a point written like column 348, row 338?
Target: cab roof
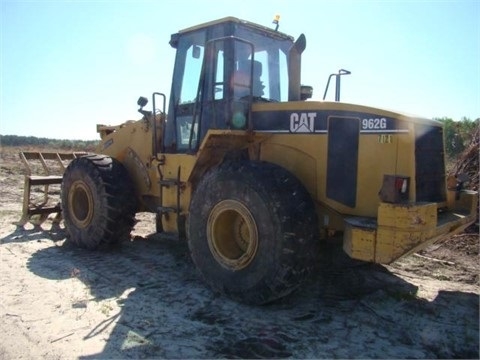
column 231, row 19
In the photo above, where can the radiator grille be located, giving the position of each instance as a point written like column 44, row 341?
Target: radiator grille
column 429, row 164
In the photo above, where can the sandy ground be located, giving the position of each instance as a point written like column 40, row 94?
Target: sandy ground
column 146, row 300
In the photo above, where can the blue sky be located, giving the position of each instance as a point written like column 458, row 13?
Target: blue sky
column 69, row 65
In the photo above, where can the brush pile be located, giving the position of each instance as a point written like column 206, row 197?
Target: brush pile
column 467, row 163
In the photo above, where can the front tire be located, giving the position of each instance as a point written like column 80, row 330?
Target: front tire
column 252, row 231
column 98, row 202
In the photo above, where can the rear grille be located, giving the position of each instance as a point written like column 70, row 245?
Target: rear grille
column 429, row 164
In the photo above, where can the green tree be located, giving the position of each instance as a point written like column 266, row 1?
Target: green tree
column 458, row 134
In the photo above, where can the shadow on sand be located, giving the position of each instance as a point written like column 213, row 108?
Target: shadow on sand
column 348, row 310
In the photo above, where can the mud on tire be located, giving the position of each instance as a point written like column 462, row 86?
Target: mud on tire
column 98, row 202
column 252, row 231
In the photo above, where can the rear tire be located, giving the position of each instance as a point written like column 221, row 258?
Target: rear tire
column 98, row 202
column 252, row 231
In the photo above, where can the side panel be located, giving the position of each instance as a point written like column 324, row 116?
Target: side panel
column 429, row 164
column 342, row 160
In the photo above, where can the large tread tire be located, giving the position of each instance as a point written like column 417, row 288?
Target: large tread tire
column 274, row 218
column 98, row 202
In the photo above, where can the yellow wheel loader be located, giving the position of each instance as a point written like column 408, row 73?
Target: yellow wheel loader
column 255, row 176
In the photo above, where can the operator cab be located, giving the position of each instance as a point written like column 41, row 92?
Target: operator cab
column 222, row 67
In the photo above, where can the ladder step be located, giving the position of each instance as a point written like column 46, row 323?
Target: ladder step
column 168, row 182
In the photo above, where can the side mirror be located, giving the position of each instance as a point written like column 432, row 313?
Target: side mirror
column 142, row 101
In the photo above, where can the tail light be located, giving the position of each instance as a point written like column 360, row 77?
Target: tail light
column 401, row 185
column 395, row 189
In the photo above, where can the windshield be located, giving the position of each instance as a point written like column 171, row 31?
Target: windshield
column 270, row 65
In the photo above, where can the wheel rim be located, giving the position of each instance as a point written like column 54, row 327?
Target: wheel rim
column 80, row 204
column 232, row 234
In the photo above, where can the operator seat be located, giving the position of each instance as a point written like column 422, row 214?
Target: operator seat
column 257, row 84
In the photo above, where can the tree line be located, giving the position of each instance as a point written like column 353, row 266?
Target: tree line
column 33, row 141
column 457, row 134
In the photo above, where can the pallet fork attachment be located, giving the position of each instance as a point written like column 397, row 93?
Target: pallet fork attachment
column 53, row 165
